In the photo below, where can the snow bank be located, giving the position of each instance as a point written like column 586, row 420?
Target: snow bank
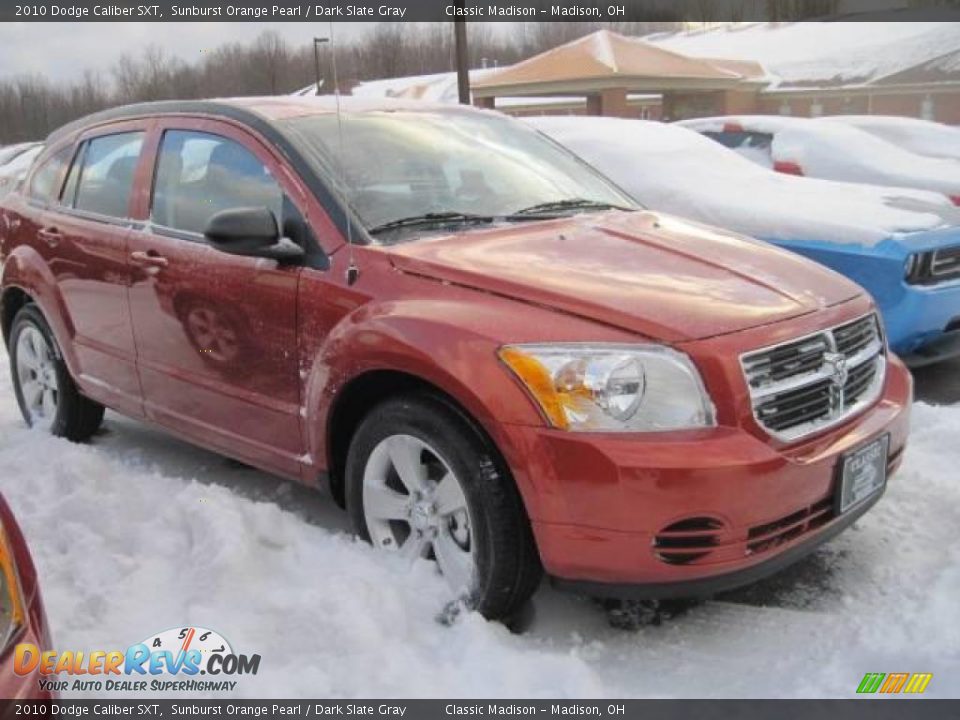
column 139, row 532
column 836, row 151
column 675, row 170
column 918, row 136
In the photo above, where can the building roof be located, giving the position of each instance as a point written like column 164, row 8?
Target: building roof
column 606, row 59
column 832, row 55
column 436, row 87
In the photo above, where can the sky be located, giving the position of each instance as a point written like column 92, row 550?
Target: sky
column 65, row 50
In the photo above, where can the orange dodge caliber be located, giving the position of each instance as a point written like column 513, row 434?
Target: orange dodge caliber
column 496, row 360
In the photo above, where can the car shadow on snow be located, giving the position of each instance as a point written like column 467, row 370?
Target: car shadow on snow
column 146, row 446
column 807, row 585
column 938, row 384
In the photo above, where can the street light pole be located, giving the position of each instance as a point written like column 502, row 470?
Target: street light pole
column 316, row 60
column 463, row 70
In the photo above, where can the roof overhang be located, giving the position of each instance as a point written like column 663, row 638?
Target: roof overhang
column 630, row 84
column 865, row 89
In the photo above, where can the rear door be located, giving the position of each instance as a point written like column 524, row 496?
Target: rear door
column 83, row 233
column 216, row 333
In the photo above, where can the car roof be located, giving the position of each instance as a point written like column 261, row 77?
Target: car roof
column 256, row 110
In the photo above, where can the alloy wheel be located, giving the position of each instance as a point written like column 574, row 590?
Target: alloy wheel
column 414, row 504
column 37, row 377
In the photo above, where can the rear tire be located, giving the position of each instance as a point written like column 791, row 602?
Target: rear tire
column 486, row 522
column 45, row 392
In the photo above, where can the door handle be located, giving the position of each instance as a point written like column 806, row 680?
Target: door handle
column 51, row 236
column 149, row 258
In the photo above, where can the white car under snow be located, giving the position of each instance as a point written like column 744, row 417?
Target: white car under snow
column 922, row 137
column 16, row 169
column 831, row 150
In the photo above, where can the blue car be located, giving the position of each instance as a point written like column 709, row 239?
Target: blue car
column 902, row 245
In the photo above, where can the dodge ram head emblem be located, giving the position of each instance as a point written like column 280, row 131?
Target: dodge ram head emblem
column 837, row 365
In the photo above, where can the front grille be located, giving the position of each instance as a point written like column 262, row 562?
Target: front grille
column 769, row 535
column 807, row 385
column 934, row 266
column 945, row 264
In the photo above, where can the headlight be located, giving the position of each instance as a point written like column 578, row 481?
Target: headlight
column 612, row 388
column 12, row 615
column 910, row 265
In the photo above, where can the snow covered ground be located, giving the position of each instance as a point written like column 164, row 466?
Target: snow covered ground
column 139, row 532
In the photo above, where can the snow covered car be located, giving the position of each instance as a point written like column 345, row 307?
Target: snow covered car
column 922, row 137
column 16, row 169
column 22, row 617
column 830, row 150
column 494, row 358
column 9, row 152
column 902, row 245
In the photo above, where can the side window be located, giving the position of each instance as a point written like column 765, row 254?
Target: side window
column 45, row 183
column 739, row 139
column 104, row 180
column 200, row 174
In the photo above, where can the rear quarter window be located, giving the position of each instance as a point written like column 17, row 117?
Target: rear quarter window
column 46, row 181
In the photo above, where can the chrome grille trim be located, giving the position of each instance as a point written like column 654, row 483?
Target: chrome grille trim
column 817, row 381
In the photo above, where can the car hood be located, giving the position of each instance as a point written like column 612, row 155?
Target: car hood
column 653, row 274
column 926, row 241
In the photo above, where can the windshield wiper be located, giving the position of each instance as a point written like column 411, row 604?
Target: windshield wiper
column 568, row 204
column 432, row 218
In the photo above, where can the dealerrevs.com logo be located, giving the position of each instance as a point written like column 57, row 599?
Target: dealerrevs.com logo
column 170, row 661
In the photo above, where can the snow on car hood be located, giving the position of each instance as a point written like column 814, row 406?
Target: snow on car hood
column 657, row 275
column 838, row 151
column 671, row 168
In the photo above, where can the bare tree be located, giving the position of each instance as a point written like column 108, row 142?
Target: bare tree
column 31, row 106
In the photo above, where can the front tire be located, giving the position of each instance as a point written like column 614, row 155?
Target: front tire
column 421, row 481
column 47, row 396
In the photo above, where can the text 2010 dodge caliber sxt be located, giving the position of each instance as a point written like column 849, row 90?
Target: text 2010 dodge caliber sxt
column 496, row 359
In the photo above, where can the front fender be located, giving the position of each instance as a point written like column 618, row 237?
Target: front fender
column 429, row 341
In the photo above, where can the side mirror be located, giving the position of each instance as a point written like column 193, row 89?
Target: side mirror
column 251, row 232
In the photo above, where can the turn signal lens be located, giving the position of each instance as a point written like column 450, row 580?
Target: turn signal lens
column 12, row 614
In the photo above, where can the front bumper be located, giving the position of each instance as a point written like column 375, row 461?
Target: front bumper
column 606, row 501
column 923, row 326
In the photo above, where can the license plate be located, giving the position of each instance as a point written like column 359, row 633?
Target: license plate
column 863, row 473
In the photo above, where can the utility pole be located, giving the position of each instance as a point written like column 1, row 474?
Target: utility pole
column 317, row 42
column 463, row 70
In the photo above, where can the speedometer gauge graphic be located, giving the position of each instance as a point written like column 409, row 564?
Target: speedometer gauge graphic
column 182, row 639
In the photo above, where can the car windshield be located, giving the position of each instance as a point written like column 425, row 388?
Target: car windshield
column 404, row 172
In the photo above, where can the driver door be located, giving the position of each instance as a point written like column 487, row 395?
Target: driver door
column 215, row 333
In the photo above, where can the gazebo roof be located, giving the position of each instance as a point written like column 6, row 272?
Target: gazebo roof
column 606, row 59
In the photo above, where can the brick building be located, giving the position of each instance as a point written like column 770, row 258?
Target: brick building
column 804, row 69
